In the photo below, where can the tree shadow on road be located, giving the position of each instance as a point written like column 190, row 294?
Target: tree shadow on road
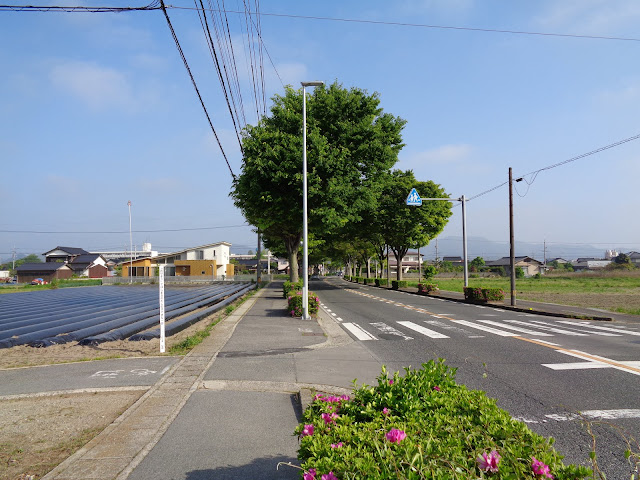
column 259, row 469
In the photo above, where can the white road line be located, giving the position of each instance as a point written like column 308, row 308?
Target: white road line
column 517, row 329
column 447, row 326
column 549, row 329
column 389, row 330
column 608, row 329
column 588, row 332
column 339, row 319
column 358, row 331
column 423, row 330
column 333, row 314
column 501, row 333
column 576, row 365
column 618, row 365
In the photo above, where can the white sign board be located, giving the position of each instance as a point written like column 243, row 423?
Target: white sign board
column 413, row 199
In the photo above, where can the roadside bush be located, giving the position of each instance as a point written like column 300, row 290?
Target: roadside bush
column 395, row 284
column 369, row 281
column 478, row 294
column 493, row 294
column 289, row 286
column 427, row 287
column 294, row 305
column 429, row 271
column 378, row 282
column 422, row 425
column 519, row 272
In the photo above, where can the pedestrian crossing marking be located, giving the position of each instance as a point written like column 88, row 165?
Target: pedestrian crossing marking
column 423, row 330
column 517, row 329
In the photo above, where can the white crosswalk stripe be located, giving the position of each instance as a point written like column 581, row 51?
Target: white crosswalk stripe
column 423, row 330
column 358, row 331
column 517, row 329
column 608, row 329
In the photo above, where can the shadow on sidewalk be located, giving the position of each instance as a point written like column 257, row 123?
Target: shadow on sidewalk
column 259, row 469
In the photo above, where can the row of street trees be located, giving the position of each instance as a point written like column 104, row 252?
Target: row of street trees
column 356, row 199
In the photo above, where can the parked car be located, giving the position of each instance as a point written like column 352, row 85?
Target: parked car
column 38, row 281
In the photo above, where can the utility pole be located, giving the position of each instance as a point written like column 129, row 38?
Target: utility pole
column 512, row 248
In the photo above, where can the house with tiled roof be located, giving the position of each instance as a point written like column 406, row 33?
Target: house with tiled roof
column 47, row 271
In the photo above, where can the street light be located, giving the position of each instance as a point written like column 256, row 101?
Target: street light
column 305, row 231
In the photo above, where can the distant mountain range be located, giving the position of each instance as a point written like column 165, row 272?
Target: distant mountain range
column 492, row 250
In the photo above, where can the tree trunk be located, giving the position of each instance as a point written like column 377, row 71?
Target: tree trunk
column 399, row 269
column 293, row 244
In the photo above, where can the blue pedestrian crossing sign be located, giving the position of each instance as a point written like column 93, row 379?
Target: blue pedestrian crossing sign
column 414, row 200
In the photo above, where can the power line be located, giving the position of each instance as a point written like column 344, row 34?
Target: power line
column 564, row 162
column 195, row 86
column 442, row 27
column 154, row 5
column 127, row 231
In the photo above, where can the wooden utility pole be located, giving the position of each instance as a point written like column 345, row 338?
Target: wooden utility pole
column 512, row 241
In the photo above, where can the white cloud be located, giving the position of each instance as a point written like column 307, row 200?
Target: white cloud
column 623, row 96
column 446, row 154
column 99, row 87
column 591, row 16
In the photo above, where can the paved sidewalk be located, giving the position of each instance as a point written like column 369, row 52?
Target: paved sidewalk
column 229, row 408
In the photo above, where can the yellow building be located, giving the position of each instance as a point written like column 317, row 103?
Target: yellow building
column 211, row 260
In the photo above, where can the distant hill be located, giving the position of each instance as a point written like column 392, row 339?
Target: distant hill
column 492, row 250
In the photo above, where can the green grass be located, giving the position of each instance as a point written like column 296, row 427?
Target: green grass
column 58, row 284
column 565, row 283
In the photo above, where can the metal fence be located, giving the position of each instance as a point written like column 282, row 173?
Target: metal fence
column 183, row 280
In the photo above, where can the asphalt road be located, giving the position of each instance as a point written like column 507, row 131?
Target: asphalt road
column 552, row 373
column 125, row 372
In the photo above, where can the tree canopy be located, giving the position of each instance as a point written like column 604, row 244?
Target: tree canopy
column 350, row 143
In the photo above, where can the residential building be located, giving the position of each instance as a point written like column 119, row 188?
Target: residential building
column 63, row 254
column 410, row 261
column 531, row 266
column 47, row 271
column 211, row 260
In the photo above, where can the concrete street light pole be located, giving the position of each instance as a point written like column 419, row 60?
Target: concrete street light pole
column 305, row 231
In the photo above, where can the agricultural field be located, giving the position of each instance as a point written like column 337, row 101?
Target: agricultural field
column 612, row 291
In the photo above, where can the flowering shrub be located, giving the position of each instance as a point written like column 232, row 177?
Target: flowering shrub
column 477, row 294
column 288, row 286
column 427, row 287
column 422, row 425
column 294, row 306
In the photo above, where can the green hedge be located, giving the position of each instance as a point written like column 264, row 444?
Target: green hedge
column 422, row 426
column 395, row 284
column 369, row 281
column 290, row 286
column 294, row 304
column 427, row 287
column 477, row 294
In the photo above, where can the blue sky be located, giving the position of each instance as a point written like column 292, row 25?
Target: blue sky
column 97, row 109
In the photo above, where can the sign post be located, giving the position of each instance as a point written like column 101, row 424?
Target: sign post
column 161, row 275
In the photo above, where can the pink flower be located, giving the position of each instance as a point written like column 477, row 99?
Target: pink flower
column 390, row 382
column 310, row 475
column 329, row 417
column 307, row 430
column 329, row 476
column 396, row 436
column 385, row 411
column 436, row 388
column 489, row 462
column 337, row 445
column 540, row 468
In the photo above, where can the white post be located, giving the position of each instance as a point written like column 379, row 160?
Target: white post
column 161, row 299
column 305, row 231
column 130, row 245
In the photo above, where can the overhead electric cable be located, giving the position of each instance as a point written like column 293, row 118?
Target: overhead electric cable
column 127, row 231
column 573, row 159
column 442, row 27
column 154, row 5
column 195, row 86
column 214, row 56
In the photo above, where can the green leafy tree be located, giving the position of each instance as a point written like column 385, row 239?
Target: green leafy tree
column 477, row 263
column 519, row 272
column 429, row 271
column 403, row 226
column 350, row 143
